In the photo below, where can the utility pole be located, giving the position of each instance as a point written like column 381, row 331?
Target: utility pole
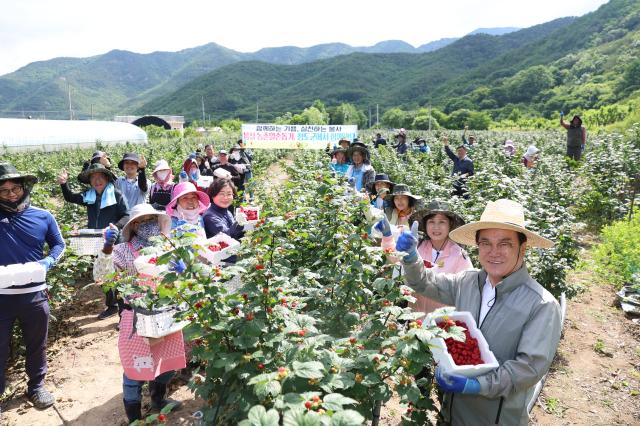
column 202, row 101
column 257, row 111
column 91, row 111
column 429, row 117
column 70, row 110
column 377, row 116
column 369, row 116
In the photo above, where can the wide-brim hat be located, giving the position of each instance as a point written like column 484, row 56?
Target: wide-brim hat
column 531, row 151
column 347, row 141
column 500, row 214
column 84, row 177
column 380, row 177
column 129, row 156
column 161, row 165
column 436, row 207
column 402, row 189
column 336, row 150
column 184, row 188
column 141, row 210
column 235, row 148
column 358, row 146
column 9, row 172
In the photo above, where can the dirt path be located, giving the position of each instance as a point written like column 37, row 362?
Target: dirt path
column 595, row 379
column 84, row 375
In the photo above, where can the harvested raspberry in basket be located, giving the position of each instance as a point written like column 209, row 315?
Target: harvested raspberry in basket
column 463, row 353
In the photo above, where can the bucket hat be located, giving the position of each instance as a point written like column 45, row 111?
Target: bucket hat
column 435, row 207
column 500, row 214
column 141, row 210
column 9, row 172
column 346, row 142
column 161, row 165
column 84, row 177
column 129, row 156
column 402, row 189
column 531, row 151
column 184, row 188
column 380, row 177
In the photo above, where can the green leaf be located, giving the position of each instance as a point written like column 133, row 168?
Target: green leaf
column 308, row 370
column 335, row 401
column 259, row 416
column 347, row 418
column 264, row 389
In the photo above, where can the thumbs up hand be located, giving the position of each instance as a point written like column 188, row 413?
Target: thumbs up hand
column 408, row 243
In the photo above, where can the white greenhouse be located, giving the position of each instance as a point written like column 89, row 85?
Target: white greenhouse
column 53, row 135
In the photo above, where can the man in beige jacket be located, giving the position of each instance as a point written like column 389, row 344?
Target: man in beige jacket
column 520, row 320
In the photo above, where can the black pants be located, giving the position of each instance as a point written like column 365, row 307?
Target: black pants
column 32, row 314
column 574, row 153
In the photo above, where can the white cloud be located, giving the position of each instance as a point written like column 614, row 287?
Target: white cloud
column 35, row 30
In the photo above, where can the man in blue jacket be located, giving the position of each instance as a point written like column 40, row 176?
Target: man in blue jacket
column 462, row 167
column 24, row 230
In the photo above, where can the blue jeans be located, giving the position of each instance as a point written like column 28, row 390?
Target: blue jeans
column 132, row 389
column 32, row 312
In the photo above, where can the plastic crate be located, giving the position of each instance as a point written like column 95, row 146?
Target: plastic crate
column 22, row 274
column 441, row 354
column 216, row 257
column 86, row 242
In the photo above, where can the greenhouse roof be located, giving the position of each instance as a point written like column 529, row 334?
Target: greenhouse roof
column 51, row 135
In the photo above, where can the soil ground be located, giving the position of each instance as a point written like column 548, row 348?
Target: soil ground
column 594, row 380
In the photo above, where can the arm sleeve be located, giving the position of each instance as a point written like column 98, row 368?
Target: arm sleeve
column 441, row 287
column 464, row 138
column 71, row 197
column 537, row 347
column 54, row 240
column 143, row 184
column 450, row 153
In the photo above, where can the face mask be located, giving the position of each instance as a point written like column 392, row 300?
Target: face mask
column 195, row 175
column 235, row 155
column 162, row 175
column 147, row 230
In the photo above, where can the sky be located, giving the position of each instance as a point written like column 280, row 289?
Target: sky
column 37, row 30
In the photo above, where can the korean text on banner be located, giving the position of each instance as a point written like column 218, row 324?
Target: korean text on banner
column 286, row 136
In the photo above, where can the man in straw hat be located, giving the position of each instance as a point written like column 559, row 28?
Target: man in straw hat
column 520, row 320
column 24, row 230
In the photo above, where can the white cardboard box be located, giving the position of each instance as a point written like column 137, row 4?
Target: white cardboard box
column 22, row 274
column 215, row 257
column 441, row 354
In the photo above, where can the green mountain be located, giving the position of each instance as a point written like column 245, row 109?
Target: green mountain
column 121, row 81
column 570, row 63
column 363, row 79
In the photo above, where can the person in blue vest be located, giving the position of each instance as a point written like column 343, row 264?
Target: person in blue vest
column 134, row 184
column 24, row 230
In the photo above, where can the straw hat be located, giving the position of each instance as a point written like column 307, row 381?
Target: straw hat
column 141, row 210
column 500, row 214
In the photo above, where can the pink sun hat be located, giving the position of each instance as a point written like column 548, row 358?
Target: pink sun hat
column 184, row 188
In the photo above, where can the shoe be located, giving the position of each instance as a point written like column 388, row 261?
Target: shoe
column 41, row 399
column 133, row 410
column 158, row 392
column 109, row 312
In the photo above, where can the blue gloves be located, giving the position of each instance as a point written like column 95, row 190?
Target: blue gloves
column 183, row 176
column 384, row 227
column 111, row 236
column 177, row 266
column 408, row 243
column 352, row 182
column 47, row 262
column 457, row 384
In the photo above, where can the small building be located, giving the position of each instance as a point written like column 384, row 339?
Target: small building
column 51, row 135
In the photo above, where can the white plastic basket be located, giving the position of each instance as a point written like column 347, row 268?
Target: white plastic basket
column 216, row 257
column 86, row 242
column 441, row 354
column 145, row 266
column 22, row 274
